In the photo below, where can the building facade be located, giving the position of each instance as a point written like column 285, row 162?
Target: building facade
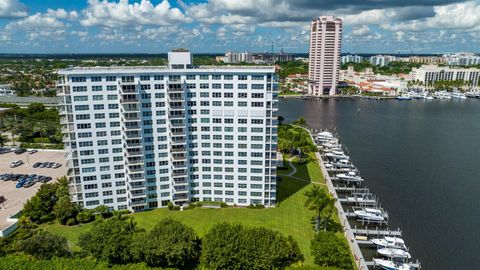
column 382, row 60
column 351, row 59
column 138, row 138
column 237, row 57
column 325, row 47
column 429, row 74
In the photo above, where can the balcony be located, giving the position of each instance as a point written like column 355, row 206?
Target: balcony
column 131, row 127
column 135, row 168
column 139, row 202
column 179, row 157
column 129, row 100
column 178, row 150
column 176, row 116
column 131, row 117
column 134, row 153
column 178, row 142
column 138, row 195
column 133, row 144
column 133, row 135
column 179, row 165
column 179, row 174
column 134, row 161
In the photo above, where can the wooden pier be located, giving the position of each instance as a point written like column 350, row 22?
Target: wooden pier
column 377, row 233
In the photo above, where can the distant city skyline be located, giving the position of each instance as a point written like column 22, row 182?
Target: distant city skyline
column 213, row 26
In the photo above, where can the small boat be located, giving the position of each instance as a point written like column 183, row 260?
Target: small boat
column 390, row 265
column 361, row 199
column 343, row 163
column 403, row 97
column 429, row 98
column 350, row 177
column 389, row 242
column 394, row 253
column 458, row 95
column 370, row 214
column 336, row 156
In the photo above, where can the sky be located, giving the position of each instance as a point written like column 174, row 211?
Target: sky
column 216, row 26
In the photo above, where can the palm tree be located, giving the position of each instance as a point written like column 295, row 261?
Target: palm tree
column 322, row 203
column 40, row 128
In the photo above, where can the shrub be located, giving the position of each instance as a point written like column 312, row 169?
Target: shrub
column 256, row 206
column 227, row 246
column 169, row 244
column 85, row 216
column 110, row 240
column 330, row 250
column 45, row 245
column 65, row 210
column 71, row 222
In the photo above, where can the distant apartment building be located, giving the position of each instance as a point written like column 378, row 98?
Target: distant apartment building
column 462, row 59
column 138, row 138
column 271, row 58
column 324, row 59
column 423, row 59
column 382, row 60
column 428, row 74
column 351, row 59
column 237, row 57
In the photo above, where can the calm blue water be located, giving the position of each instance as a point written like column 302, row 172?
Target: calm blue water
column 422, row 159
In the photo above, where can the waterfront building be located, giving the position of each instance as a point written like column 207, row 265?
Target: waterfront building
column 324, row 59
column 423, row 59
column 351, row 59
column 428, row 74
column 139, row 138
column 382, row 60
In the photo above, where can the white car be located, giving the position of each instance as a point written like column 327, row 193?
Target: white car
column 16, row 163
column 32, row 151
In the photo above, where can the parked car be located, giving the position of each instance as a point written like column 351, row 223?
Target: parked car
column 19, row 151
column 20, row 183
column 36, row 165
column 28, row 184
column 56, row 165
column 46, row 179
column 42, row 165
column 16, row 163
column 32, row 151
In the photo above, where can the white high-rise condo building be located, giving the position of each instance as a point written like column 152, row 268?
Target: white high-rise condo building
column 140, row 137
column 325, row 46
column 382, row 60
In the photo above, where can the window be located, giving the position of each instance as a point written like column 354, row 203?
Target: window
column 258, row 77
column 258, row 86
column 203, row 77
column 97, row 88
column 228, row 77
column 242, row 86
column 96, row 78
column 242, row 95
column 97, row 97
column 80, row 98
column 257, row 95
column 79, row 88
column 110, row 78
column 228, row 86
column 242, row 77
column 228, row 95
column 216, row 85
column 191, row 77
column 144, row 77
column 79, row 79
column 204, row 86
column 159, row 86
column 257, row 104
column 111, row 88
column 127, row 79
column 158, row 77
column 242, row 104
column 204, row 94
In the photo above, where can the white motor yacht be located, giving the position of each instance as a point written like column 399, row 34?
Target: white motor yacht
column 390, row 265
column 350, row 177
column 458, row 95
column 394, row 253
column 389, row 242
column 343, row 163
column 370, row 214
column 337, row 155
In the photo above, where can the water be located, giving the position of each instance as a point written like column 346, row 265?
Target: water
column 422, row 159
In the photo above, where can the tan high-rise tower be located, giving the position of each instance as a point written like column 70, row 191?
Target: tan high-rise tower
column 325, row 46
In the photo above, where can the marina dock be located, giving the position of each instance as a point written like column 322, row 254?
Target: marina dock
column 358, row 228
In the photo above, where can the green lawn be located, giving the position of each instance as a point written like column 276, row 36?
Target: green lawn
column 290, row 217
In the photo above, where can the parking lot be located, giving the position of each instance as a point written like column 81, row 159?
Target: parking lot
column 16, row 197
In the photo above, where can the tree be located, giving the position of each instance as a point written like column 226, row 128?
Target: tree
column 64, row 209
column 169, row 244
column 227, row 246
column 328, row 250
column 45, row 245
column 35, row 107
column 300, row 122
column 280, row 119
column 85, row 216
column 110, row 240
column 3, row 140
column 39, row 208
column 322, row 203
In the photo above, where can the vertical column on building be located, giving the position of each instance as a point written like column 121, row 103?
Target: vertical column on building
column 178, row 141
column 132, row 144
column 69, row 140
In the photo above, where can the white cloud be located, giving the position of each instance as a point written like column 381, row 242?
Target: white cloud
column 12, row 9
column 36, row 21
column 361, row 30
column 462, row 16
column 122, row 13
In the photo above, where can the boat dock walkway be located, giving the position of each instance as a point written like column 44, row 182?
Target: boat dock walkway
column 352, row 243
column 360, row 196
